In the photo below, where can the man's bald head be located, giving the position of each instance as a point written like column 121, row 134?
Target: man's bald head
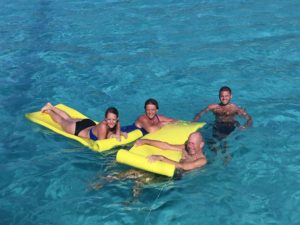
column 195, row 142
column 196, row 136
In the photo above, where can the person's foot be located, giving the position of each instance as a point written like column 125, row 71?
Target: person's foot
column 47, row 107
column 44, row 109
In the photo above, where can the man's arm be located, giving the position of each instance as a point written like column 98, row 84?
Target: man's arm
column 244, row 114
column 159, row 144
column 180, row 165
column 193, row 164
column 201, row 113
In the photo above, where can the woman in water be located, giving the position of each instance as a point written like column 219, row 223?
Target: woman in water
column 86, row 128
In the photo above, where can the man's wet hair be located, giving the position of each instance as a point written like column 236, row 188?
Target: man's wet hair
column 224, row 88
column 151, row 101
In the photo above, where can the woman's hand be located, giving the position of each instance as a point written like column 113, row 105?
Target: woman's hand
column 124, row 134
column 116, row 136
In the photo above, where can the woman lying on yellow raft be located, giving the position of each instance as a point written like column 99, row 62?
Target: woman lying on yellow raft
column 87, row 128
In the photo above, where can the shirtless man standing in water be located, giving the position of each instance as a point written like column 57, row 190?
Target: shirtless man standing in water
column 225, row 113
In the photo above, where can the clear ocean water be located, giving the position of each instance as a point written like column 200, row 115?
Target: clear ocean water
column 94, row 54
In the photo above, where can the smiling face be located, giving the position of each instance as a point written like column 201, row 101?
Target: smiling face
column 194, row 143
column 151, row 111
column 191, row 147
column 111, row 120
column 225, row 97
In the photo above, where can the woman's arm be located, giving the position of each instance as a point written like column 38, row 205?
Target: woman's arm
column 165, row 119
column 118, row 128
column 101, row 130
column 117, row 134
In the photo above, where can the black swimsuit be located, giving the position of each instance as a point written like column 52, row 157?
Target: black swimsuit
column 83, row 124
column 223, row 129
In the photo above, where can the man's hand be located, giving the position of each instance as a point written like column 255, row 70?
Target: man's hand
column 140, row 142
column 154, row 158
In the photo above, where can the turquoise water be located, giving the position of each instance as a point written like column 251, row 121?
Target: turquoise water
column 94, row 54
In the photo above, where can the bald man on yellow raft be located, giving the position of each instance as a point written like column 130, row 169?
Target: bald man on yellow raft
column 192, row 150
column 192, row 158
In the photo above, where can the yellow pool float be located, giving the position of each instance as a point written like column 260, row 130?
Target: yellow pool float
column 176, row 133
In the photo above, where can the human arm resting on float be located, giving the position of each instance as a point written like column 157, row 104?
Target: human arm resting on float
column 117, row 135
column 180, row 165
column 192, row 165
column 164, row 119
column 118, row 128
column 159, row 144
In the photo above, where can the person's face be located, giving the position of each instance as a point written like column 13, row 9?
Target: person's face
column 225, row 97
column 151, row 111
column 192, row 145
column 111, row 120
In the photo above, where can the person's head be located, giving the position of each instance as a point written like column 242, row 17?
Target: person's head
column 225, row 95
column 111, row 117
column 151, row 108
column 195, row 143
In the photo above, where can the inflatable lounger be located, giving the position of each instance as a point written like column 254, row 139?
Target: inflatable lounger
column 176, row 133
column 98, row 146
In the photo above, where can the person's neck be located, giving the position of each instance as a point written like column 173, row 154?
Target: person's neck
column 198, row 154
column 222, row 104
column 153, row 118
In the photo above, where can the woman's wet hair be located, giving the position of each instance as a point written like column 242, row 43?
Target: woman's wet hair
column 112, row 110
column 224, row 88
column 151, row 101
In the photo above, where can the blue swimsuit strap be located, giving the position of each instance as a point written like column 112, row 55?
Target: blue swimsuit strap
column 92, row 135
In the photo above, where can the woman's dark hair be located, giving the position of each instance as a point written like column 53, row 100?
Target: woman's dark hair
column 151, row 101
column 112, row 110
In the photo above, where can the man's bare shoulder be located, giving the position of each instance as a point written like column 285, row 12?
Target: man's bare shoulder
column 235, row 107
